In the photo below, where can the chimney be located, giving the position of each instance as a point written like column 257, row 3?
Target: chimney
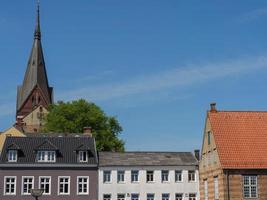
column 87, row 131
column 213, row 107
column 197, row 154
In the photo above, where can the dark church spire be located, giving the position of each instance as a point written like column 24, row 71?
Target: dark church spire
column 35, row 84
column 37, row 33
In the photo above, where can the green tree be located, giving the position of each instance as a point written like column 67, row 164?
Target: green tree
column 72, row 117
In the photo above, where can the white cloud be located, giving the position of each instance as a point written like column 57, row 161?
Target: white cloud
column 252, row 15
column 166, row 80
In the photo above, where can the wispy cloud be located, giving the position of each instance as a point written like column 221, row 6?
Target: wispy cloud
column 252, row 15
column 181, row 77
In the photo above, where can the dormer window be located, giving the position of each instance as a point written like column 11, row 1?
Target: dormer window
column 12, row 156
column 83, row 156
column 46, row 156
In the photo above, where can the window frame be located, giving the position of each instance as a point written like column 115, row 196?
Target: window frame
column 104, row 175
column 121, row 198
column 110, row 197
column 163, row 175
column 58, row 185
column 152, row 195
column 40, row 177
column 190, row 198
column 176, row 196
column 15, row 186
column 120, row 176
column 165, row 196
column 206, row 189
column 22, row 185
column 86, row 156
column 181, row 173
column 15, row 155
column 134, row 175
column 216, row 188
column 147, row 175
column 45, row 155
column 88, row 187
column 190, row 175
column 250, row 186
column 137, row 194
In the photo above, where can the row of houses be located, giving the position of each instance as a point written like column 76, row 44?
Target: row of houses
column 69, row 167
column 232, row 165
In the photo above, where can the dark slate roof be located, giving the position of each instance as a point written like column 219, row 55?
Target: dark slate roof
column 35, row 75
column 66, row 149
column 147, row 159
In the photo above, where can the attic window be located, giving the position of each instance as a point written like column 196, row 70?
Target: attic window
column 46, row 156
column 12, row 156
column 83, row 156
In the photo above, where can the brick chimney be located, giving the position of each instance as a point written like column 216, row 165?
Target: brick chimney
column 197, row 155
column 213, row 107
column 87, row 131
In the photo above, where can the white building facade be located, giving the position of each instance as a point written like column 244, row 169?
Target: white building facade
column 148, row 176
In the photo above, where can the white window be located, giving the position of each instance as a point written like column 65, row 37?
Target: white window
column 134, row 175
column 45, row 184
column 10, row 185
column 178, row 176
column 191, row 176
column 206, row 192
column 216, row 188
column 46, row 156
column 192, row 196
column 27, row 185
column 179, row 196
column 150, row 196
column 121, row 197
column 12, row 155
column 164, row 175
column 63, row 185
column 250, row 188
column 107, row 176
column 83, row 185
column 134, row 196
column 107, row 197
column 165, row 196
column 83, row 156
column 120, row 176
column 150, row 176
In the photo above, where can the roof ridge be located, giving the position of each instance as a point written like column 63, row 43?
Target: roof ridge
column 251, row 111
column 147, row 152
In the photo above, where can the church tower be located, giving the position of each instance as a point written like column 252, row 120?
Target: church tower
column 34, row 95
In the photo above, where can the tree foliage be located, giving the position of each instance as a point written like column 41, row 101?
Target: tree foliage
column 72, row 117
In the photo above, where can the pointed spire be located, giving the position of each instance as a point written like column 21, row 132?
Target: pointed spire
column 37, row 33
column 35, row 75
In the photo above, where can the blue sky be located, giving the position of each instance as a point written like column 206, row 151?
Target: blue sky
column 156, row 65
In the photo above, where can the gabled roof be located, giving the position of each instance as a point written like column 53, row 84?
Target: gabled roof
column 35, row 75
column 65, row 146
column 83, row 147
column 47, row 145
column 241, row 138
column 13, row 146
column 147, row 159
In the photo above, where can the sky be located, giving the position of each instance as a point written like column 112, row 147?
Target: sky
column 155, row 64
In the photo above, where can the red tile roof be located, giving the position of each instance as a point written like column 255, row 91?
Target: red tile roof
column 241, row 138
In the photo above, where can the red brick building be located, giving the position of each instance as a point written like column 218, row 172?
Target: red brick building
column 233, row 164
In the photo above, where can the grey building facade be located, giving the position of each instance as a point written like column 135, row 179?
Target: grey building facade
column 64, row 167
